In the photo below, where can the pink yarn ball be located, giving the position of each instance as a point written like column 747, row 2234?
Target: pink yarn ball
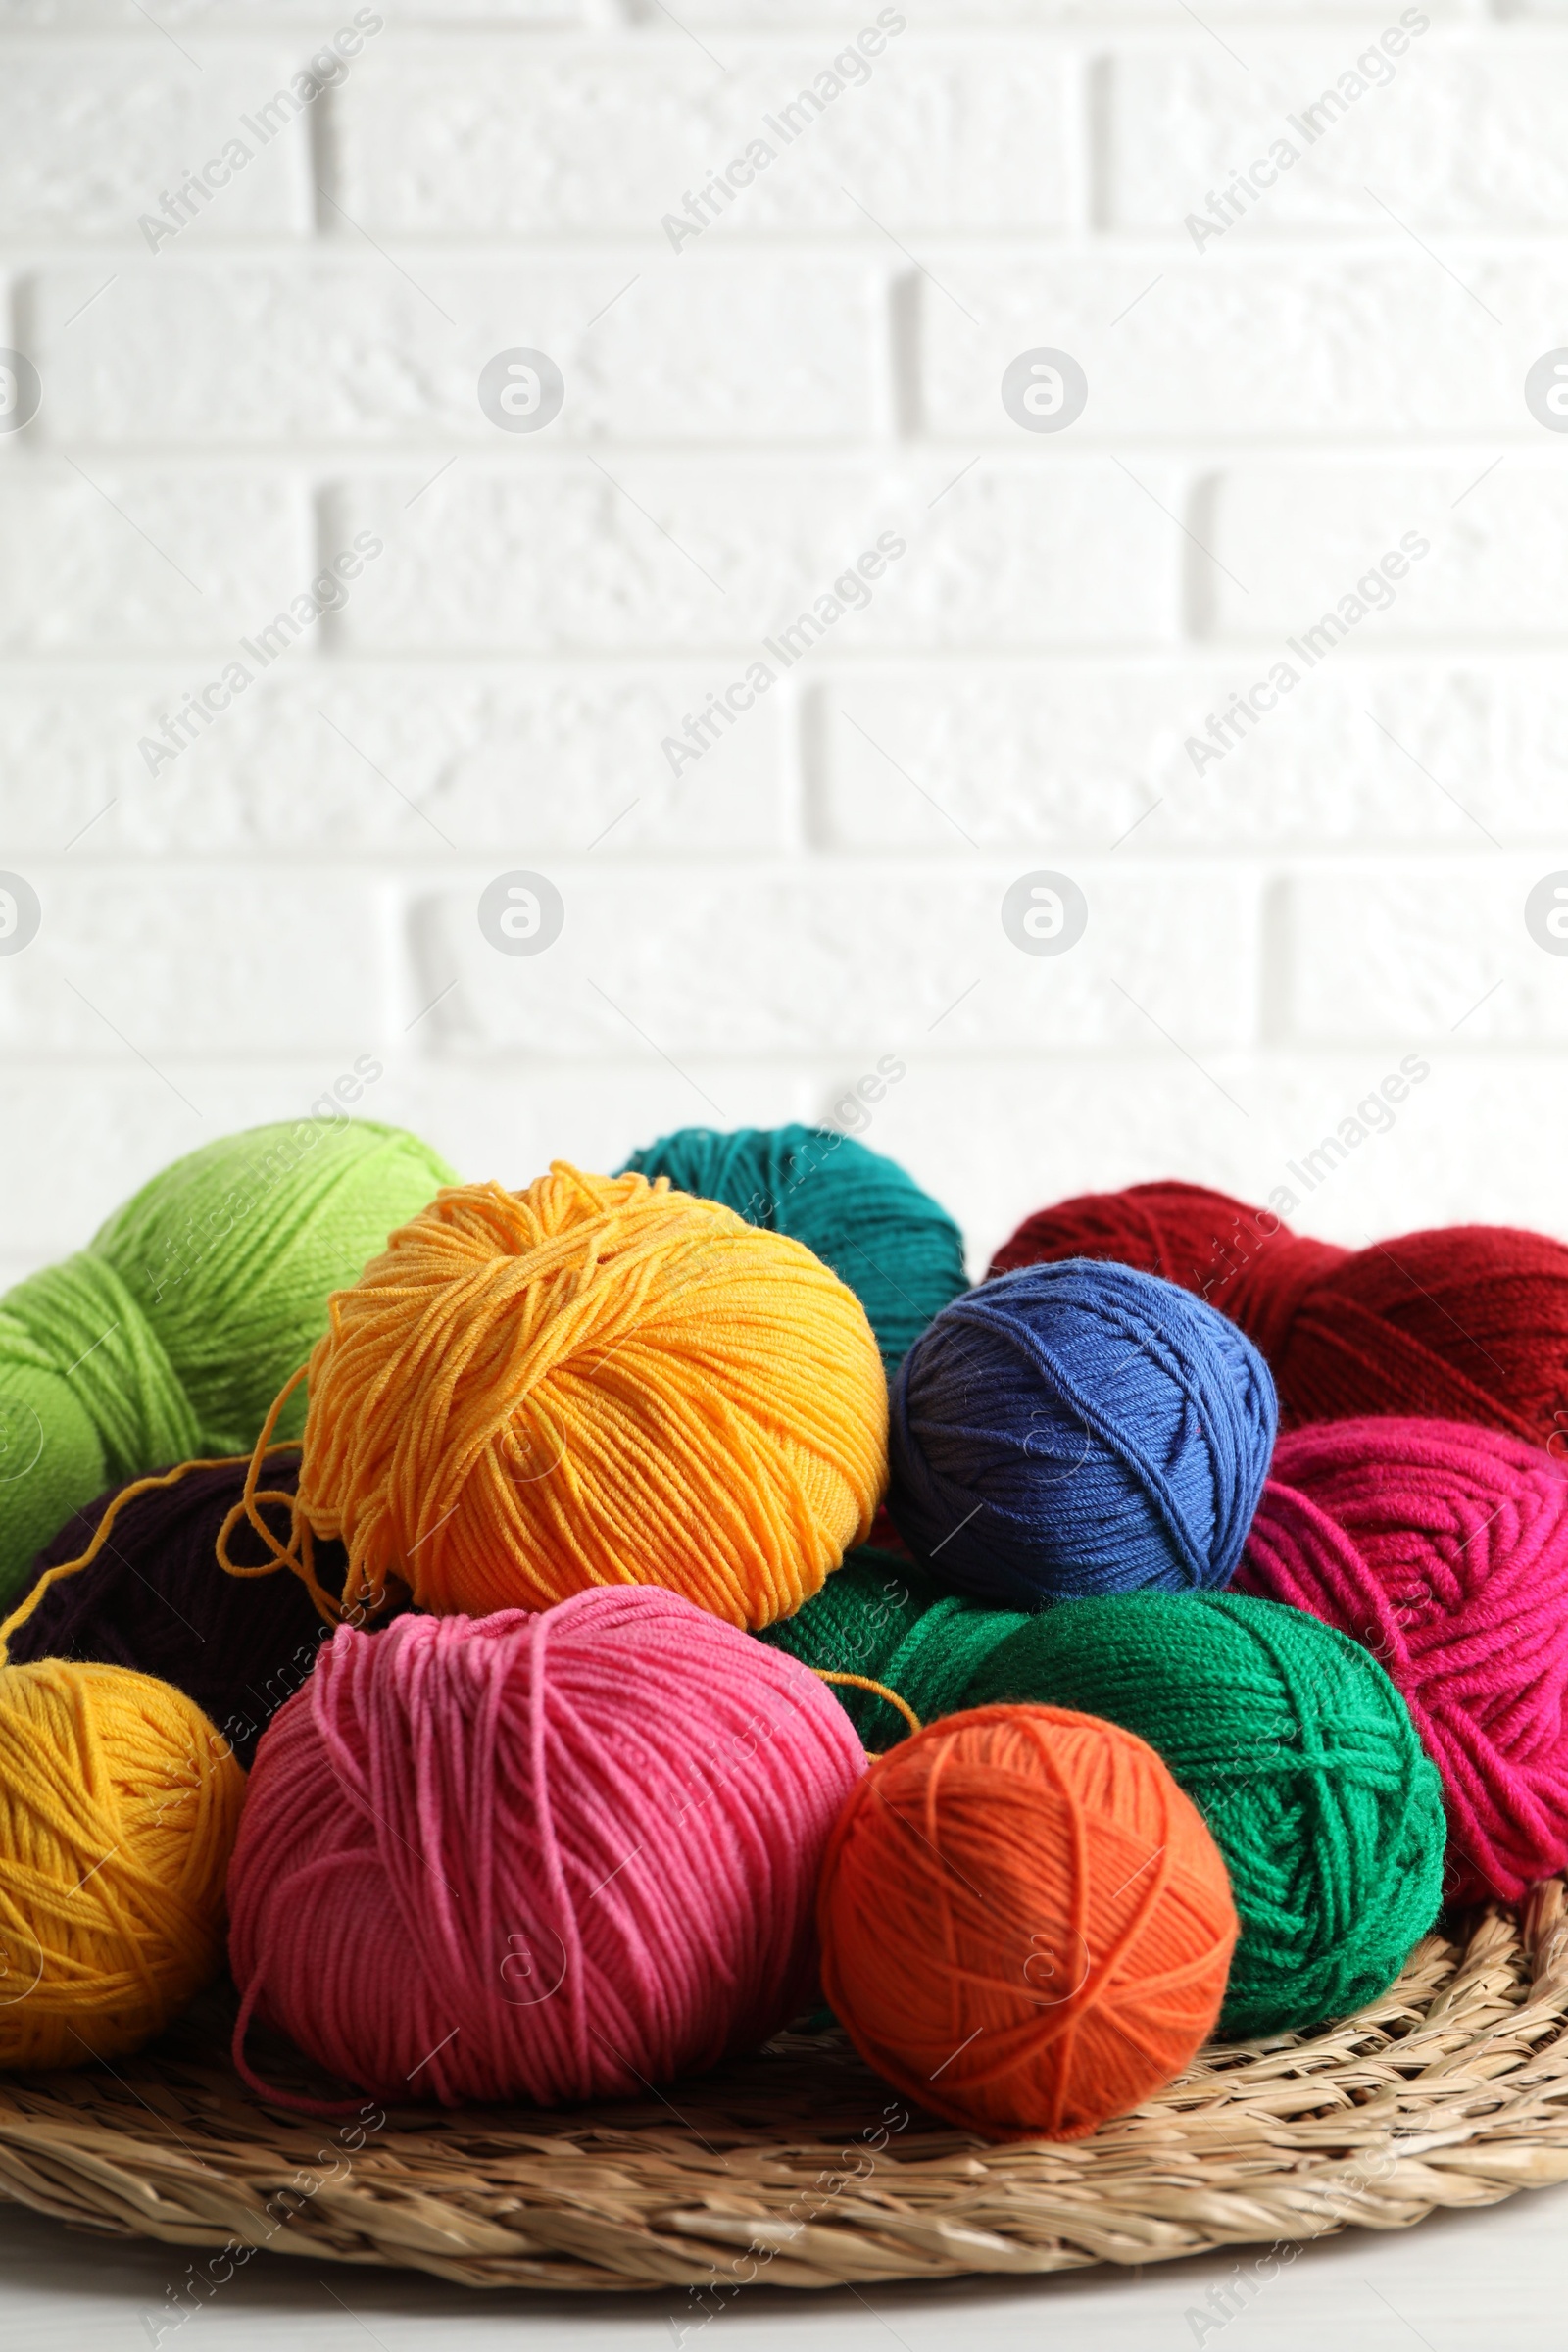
column 548, row 1857
column 1443, row 1547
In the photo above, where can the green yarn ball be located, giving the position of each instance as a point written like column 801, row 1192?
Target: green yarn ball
column 1299, row 1753
column 1285, row 1734
column 171, row 1334
column 897, row 1249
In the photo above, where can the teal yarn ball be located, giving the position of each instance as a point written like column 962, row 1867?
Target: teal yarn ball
column 1299, row 1753
column 898, row 1252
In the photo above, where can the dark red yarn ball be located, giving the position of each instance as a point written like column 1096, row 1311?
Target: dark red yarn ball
column 156, row 1600
column 1461, row 1322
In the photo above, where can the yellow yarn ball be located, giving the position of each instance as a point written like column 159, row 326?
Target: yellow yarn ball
column 597, row 1381
column 118, row 1808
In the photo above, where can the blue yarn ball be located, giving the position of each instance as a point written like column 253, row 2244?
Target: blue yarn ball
column 1076, row 1429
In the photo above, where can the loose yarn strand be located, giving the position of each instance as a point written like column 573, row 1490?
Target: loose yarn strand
column 302, row 1563
column 864, row 1681
column 296, row 2103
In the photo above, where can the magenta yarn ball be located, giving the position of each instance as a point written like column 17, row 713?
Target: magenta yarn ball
column 540, row 1858
column 1443, row 1547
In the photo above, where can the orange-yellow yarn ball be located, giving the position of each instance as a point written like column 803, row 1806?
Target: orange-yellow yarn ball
column 1025, row 1925
column 597, row 1381
column 119, row 1809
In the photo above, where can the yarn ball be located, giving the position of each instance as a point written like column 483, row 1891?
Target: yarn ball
column 901, row 1254
column 1460, row 1323
column 1077, row 1429
column 169, row 1336
column 1025, row 1923
column 597, row 1381
column 549, row 1858
column 1302, row 1757
column 119, row 1809
column 155, row 1599
column 1443, row 1547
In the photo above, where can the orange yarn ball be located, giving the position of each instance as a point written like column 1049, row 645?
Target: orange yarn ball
column 1025, row 1925
column 597, row 1381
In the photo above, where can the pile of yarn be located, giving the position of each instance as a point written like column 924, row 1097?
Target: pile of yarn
column 599, row 1392
column 480, row 1611
column 165, row 1339
column 1294, row 1743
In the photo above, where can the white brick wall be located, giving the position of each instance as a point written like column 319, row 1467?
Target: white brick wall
column 1270, row 411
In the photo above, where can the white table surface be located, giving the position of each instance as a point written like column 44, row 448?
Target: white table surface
column 1461, row 2282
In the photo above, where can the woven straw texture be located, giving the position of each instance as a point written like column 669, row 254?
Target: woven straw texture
column 801, row 2168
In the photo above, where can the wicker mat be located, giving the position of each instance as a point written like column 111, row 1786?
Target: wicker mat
column 800, row 2168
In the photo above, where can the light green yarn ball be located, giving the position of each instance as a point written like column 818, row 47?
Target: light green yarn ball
column 171, row 1334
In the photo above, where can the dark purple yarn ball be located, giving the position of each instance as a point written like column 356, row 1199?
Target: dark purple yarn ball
column 156, row 1599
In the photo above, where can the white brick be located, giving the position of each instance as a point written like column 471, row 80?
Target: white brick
column 775, row 349
column 1533, row 757
column 779, row 962
column 1428, row 953
column 1290, row 541
column 1335, row 345
column 663, row 555
column 436, row 140
column 94, row 134
column 501, row 761
column 1084, row 755
column 1463, row 137
column 112, row 557
column 229, row 961
column 1356, row 755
